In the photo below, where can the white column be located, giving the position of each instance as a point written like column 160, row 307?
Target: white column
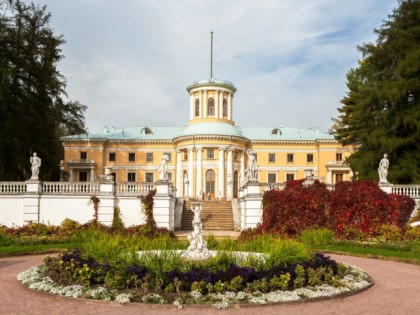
column 201, row 105
column 199, row 182
column 229, row 105
column 221, row 187
column 178, row 183
column 230, row 173
column 242, row 165
column 92, row 175
column 191, row 172
column 71, row 175
column 216, row 103
column 329, row 177
column 205, row 104
column 192, row 107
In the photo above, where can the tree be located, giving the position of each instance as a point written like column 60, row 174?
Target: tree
column 34, row 110
column 381, row 111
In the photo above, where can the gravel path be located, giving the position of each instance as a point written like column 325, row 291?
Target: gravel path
column 396, row 291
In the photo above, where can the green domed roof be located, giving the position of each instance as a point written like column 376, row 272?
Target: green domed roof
column 211, row 128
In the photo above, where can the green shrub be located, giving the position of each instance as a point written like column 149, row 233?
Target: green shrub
column 117, row 222
column 5, row 240
column 320, row 236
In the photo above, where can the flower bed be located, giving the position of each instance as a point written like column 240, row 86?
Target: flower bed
column 71, row 275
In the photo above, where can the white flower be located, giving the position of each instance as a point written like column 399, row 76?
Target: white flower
column 196, row 294
column 178, row 304
column 123, row 298
column 222, row 305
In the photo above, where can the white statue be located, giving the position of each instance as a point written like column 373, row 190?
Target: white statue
column 252, row 168
column 383, row 169
column 163, row 168
column 198, row 246
column 36, row 164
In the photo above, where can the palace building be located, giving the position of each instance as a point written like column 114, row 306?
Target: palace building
column 209, row 154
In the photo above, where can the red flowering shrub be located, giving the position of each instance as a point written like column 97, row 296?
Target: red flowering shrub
column 359, row 209
column 353, row 210
column 294, row 209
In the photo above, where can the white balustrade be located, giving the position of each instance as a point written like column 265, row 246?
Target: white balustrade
column 134, row 188
column 408, row 190
column 57, row 188
column 12, row 188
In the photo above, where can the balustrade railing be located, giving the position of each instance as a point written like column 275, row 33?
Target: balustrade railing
column 134, row 188
column 12, row 188
column 409, row 190
column 58, row 188
column 269, row 186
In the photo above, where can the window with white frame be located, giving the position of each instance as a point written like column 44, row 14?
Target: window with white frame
column 272, row 157
column 210, row 153
column 149, row 157
column 290, row 157
column 131, row 177
column 290, row 176
column 271, row 178
column 149, row 177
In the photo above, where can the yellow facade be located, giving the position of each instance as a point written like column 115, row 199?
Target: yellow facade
column 209, row 155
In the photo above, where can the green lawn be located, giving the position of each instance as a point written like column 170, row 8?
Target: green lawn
column 14, row 250
column 410, row 256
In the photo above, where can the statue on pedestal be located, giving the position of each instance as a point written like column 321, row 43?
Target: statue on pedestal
column 252, row 168
column 198, row 246
column 163, row 168
column 36, row 164
column 383, row 169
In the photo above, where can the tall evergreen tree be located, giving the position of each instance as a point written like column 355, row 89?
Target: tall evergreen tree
column 34, row 110
column 381, row 111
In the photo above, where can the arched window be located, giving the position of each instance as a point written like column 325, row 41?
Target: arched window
column 210, row 106
column 224, row 107
column 197, row 107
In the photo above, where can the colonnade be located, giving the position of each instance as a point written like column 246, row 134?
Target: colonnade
column 196, row 167
column 203, row 96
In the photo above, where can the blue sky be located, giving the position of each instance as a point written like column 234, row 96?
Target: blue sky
column 130, row 61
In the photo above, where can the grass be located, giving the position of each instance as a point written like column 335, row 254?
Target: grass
column 37, row 249
column 408, row 254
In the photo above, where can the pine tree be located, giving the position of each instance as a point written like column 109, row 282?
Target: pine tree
column 34, row 112
column 381, row 111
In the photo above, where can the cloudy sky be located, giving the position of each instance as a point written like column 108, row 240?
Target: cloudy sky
column 130, row 61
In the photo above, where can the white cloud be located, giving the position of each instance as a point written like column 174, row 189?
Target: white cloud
column 130, row 61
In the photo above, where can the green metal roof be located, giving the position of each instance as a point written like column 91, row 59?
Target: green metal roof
column 212, row 128
column 206, row 128
column 282, row 133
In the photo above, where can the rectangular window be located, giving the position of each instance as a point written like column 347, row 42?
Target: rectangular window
column 170, row 177
column 271, row 157
column 289, row 157
column 290, row 177
column 83, row 155
column 339, row 178
column 111, row 157
column 271, row 178
column 114, row 177
column 131, row 157
column 131, row 177
column 149, row 178
column 339, row 157
column 82, row 176
column 210, row 153
column 169, row 156
column 185, row 155
column 256, row 156
column 149, row 157
column 309, row 158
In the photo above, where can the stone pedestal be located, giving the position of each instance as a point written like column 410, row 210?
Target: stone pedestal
column 164, row 205
column 386, row 187
column 31, row 201
column 251, row 206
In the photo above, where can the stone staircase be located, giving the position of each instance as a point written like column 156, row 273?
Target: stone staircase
column 216, row 215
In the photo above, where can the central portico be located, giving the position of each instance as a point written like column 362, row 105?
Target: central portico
column 210, row 150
